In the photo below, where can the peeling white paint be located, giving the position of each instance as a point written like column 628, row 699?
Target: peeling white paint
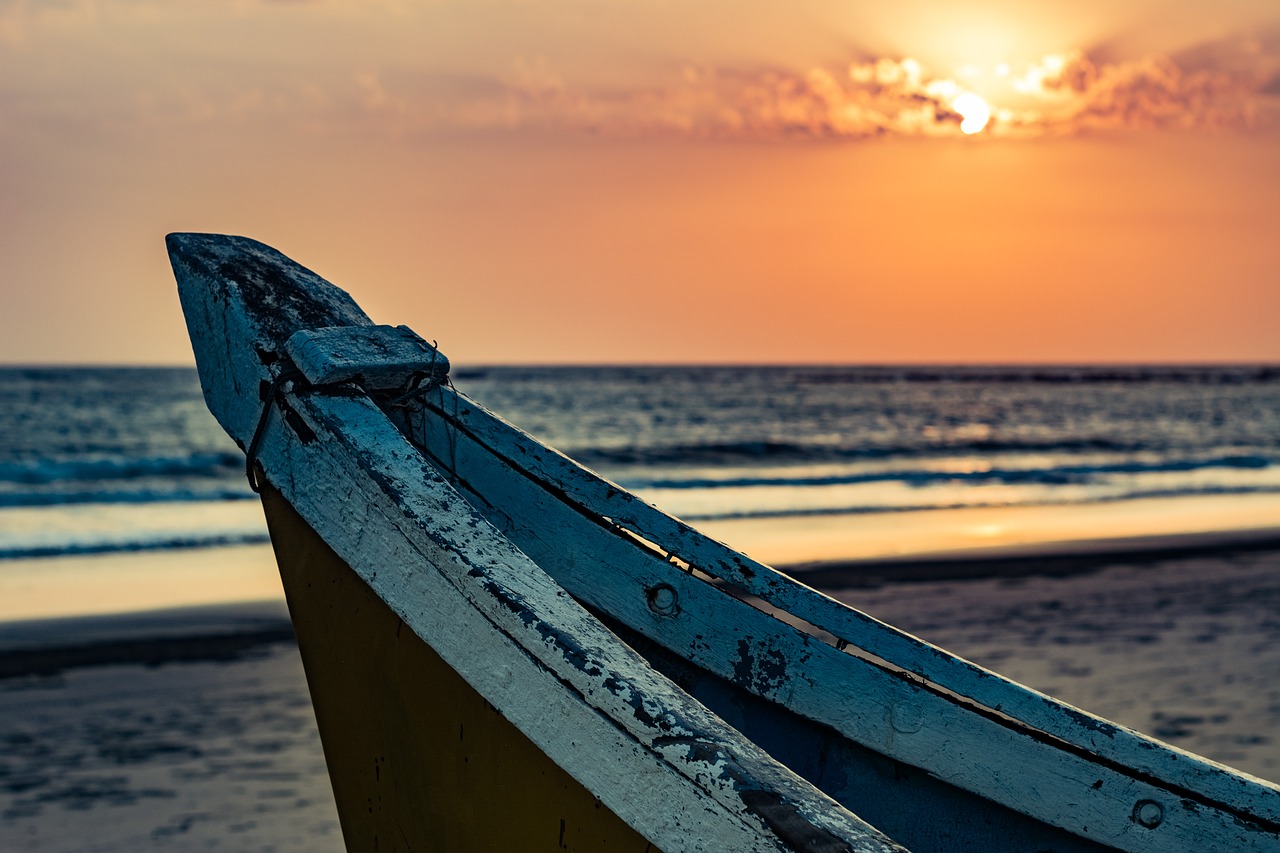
column 593, row 705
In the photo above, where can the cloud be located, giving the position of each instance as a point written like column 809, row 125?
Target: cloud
column 1231, row 85
column 1228, row 85
column 1074, row 93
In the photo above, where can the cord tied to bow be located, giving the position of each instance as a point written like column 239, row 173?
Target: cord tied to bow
column 274, row 393
column 391, row 364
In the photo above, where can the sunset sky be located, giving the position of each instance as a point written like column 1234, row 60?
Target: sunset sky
column 601, row 181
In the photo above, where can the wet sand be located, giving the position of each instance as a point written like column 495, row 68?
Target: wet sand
column 1170, row 524
column 194, row 730
column 82, row 585
column 188, row 755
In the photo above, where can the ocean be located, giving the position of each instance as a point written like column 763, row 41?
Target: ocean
column 95, row 460
column 116, row 486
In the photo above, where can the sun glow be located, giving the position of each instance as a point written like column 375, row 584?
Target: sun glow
column 973, row 111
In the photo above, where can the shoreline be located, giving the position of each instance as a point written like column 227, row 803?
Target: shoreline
column 136, row 581
column 1163, row 524
column 1050, row 559
column 208, row 629
column 213, row 633
column 223, row 603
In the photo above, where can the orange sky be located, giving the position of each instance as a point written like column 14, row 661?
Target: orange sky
column 618, row 181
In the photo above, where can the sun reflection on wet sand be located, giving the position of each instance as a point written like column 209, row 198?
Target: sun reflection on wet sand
column 49, row 587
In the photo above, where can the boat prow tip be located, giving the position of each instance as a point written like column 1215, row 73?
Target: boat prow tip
column 236, row 289
column 190, row 243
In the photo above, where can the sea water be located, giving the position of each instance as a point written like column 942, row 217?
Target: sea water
column 100, row 460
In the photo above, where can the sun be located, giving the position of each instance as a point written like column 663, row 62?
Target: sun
column 974, row 112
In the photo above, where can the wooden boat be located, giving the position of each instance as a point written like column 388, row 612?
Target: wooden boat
column 506, row 651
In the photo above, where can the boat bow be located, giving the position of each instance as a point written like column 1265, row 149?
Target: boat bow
column 467, row 527
column 669, row 768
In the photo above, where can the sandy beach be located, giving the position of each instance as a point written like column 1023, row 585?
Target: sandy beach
column 191, row 728
column 194, row 755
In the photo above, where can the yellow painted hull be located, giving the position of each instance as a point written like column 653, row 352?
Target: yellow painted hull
column 418, row 760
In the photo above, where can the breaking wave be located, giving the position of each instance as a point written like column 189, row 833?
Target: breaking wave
column 1057, row 475
column 123, row 479
column 193, row 540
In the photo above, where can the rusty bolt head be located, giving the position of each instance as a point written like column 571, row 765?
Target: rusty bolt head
column 1148, row 813
column 663, row 600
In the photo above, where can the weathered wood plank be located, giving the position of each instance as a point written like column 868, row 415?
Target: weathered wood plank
column 378, row 358
column 898, row 717
column 594, row 496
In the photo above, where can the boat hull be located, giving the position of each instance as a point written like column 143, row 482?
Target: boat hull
column 705, row 700
column 417, row 758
